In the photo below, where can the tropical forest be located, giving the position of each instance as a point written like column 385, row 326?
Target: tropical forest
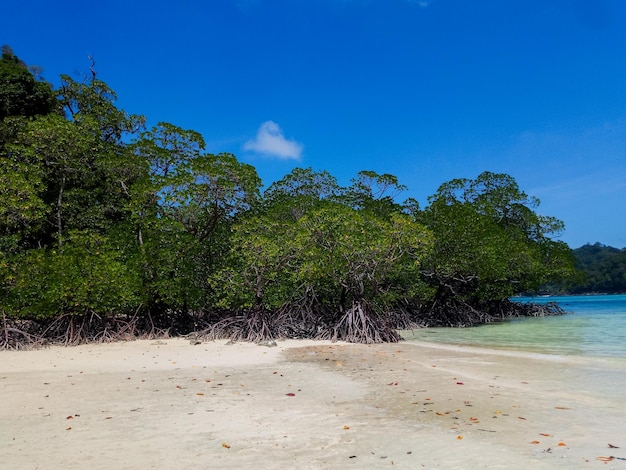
column 112, row 229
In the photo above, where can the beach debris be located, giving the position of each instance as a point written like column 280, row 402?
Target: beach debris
column 158, row 343
column 195, row 342
column 561, row 444
column 459, row 438
column 270, row 343
column 345, row 428
column 534, row 442
column 290, row 394
column 561, row 408
column 611, row 446
column 393, row 383
column 460, row 383
column 612, row 457
column 225, row 445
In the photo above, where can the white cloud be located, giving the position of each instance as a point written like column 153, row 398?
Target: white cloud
column 271, row 141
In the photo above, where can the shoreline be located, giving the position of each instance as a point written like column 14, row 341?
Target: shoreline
column 303, row 404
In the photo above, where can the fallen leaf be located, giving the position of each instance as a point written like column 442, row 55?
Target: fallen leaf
column 346, row 428
column 534, row 442
column 290, row 394
column 544, row 434
column 70, row 417
column 67, row 429
column 519, row 417
column 458, row 438
column 561, row 408
column 561, row 444
column 611, row 446
column 200, row 394
column 225, row 445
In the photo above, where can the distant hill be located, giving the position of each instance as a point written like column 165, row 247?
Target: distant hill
column 603, row 268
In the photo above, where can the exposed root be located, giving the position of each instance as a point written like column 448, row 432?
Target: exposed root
column 306, row 319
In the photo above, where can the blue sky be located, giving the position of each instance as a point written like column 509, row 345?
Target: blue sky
column 426, row 90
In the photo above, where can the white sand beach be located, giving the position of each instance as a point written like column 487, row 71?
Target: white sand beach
column 303, row 404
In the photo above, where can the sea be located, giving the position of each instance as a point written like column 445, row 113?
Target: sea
column 594, row 326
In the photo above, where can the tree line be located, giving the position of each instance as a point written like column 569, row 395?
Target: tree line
column 110, row 229
column 602, row 268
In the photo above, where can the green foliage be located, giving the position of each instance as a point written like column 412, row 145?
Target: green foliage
column 334, row 253
column 299, row 192
column 21, row 94
column 182, row 207
column 93, row 100
column 490, row 244
column 100, row 221
column 257, row 270
column 374, row 193
column 603, row 269
column 90, row 276
column 348, row 255
column 22, row 209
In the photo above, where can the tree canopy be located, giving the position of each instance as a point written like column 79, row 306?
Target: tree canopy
column 136, row 232
column 21, row 92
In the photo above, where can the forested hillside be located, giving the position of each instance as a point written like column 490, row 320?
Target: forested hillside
column 603, row 268
column 110, row 229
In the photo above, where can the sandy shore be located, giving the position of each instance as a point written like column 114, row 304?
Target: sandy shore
column 168, row 404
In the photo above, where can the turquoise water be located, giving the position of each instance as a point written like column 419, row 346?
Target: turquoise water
column 596, row 327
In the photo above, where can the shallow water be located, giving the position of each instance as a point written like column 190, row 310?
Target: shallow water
column 588, row 344
column 595, row 327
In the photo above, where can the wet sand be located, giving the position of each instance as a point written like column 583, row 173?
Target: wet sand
column 303, row 404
